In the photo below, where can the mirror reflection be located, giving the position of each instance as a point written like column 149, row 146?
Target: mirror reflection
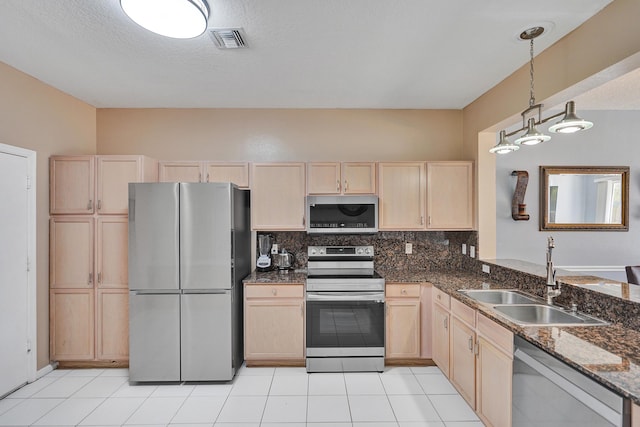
column 579, row 198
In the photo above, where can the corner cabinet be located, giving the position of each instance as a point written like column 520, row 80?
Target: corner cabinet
column 278, row 196
column 274, row 324
column 450, row 195
column 341, row 178
column 88, row 244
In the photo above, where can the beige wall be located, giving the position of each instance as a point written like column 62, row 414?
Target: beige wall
column 281, row 134
column 40, row 118
column 603, row 48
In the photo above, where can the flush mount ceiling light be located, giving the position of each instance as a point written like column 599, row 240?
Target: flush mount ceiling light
column 180, row 19
column 568, row 124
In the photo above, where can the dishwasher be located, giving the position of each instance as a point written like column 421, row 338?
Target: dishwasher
column 548, row 392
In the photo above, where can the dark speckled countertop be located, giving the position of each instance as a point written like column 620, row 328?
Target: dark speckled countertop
column 609, row 354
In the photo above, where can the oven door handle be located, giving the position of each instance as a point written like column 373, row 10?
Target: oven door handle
column 345, row 296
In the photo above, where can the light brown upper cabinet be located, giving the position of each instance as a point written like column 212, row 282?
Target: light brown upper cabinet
column 196, row 171
column 402, row 190
column 278, row 196
column 450, row 195
column 96, row 184
column 341, row 178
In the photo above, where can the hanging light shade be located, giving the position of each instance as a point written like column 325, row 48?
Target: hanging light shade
column 504, row 146
column 180, row 19
column 570, row 123
column 532, row 136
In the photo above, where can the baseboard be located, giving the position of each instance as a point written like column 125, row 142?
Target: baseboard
column 45, row 370
column 409, row 362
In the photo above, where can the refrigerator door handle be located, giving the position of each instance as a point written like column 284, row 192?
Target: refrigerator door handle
column 154, row 292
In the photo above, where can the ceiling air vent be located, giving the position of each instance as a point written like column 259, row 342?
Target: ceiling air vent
column 228, row 38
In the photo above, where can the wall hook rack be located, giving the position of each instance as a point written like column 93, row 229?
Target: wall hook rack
column 518, row 207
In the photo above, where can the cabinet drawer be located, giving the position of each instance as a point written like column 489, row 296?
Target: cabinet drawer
column 498, row 335
column 441, row 298
column 273, row 291
column 463, row 312
column 400, row 290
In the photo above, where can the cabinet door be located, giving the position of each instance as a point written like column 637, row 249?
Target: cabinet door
column 403, row 328
column 112, row 339
column 277, row 196
column 114, row 175
column 274, row 329
column 111, row 252
column 402, row 196
column 71, row 324
column 358, row 178
column 179, row 172
column 71, row 184
column 237, row 173
column 493, row 376
column 440, row 331
column 450, row 195
column 463, row 361
column 323, row 178
column 635, row 415
column 71, row 252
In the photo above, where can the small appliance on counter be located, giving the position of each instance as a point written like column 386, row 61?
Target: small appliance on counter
column 264, row 262
column 284, row 261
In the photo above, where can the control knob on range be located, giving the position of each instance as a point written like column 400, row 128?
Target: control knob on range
column 360, row 251
column 367, row 251
column 313, row 251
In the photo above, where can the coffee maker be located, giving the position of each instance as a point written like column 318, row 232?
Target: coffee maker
column 264, row 263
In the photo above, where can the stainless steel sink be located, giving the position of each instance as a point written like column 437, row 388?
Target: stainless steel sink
column 538, row 314
column 498, row 296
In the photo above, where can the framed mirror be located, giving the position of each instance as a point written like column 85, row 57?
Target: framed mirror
column 584, row 198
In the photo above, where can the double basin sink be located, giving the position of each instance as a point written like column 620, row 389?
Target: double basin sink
column 528, row 311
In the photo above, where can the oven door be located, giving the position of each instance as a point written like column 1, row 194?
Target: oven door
column 345, row 324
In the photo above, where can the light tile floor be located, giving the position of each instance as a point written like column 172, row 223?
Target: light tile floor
column 287, row 397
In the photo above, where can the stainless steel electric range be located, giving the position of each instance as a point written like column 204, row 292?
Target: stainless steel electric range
column 345, row 310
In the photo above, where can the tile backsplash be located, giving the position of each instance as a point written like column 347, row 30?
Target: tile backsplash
column 432, row 250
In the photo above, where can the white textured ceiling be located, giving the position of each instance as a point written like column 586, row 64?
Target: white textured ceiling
column 302, row 53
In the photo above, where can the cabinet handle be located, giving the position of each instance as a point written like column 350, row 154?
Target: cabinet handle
column 338, row 185
column 439, row 297
column 421, row 220
column 429, row 219
column 404, row 291
column 99, row 278
column 207, row 177
column 471, row 344
column 446, row 323
column 274, row 291
column 90, row 278
column 99, row 204
column 303, row 221
column 90, row 205
column 199, row 176
column 346, row 185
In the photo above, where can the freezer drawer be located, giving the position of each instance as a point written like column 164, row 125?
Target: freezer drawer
column 207, row 337
column 154, row 337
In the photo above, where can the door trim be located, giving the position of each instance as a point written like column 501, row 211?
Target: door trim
column 32, row 319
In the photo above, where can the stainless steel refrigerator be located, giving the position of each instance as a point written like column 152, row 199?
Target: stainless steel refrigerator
column 189, row 249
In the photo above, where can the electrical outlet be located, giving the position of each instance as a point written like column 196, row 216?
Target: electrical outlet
column 485, row 286
column 472, row 251
column 464, row 249
column 486, row 269
column 408, row 248
column 274, row 249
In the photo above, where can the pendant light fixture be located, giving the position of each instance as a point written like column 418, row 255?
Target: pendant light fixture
column 180, row 19
column 568, row 124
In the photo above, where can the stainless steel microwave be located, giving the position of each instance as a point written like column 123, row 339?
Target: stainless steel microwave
column 342, row 214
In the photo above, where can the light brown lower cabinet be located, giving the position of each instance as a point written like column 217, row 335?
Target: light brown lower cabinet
column 274, row 324
column 402, row 338
column 635, row 415
column 72, row 324
column 476, row 354
column 112, row 328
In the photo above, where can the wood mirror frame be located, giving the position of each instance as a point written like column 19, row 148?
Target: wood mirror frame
column 547, row 223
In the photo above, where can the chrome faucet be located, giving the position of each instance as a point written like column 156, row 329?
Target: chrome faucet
column 553, row 288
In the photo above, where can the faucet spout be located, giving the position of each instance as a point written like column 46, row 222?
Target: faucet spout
column 553, row 288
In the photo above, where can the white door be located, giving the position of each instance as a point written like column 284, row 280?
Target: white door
column 14, row 274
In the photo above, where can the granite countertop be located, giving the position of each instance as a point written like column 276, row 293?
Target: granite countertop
column 609, row 354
